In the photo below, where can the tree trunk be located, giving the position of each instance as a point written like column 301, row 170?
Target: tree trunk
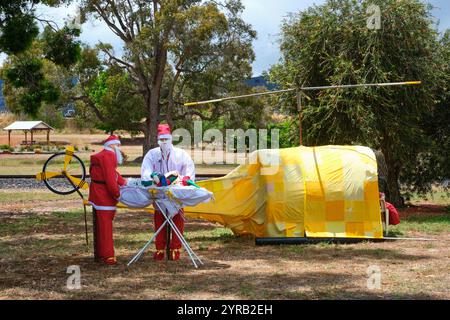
column 150, row 134
column 169, row 114
column 393, row 171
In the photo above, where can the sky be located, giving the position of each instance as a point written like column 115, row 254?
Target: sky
column 265, row 16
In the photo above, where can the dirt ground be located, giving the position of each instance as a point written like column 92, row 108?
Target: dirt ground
column 40, row 239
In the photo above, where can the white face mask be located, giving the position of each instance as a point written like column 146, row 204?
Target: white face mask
column 166, row 146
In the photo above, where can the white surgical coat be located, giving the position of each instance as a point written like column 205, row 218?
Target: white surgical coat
column 178, row 160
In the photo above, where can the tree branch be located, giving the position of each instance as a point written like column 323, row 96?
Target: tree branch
column 118, row 60
column 89, row 102
column 101, row 11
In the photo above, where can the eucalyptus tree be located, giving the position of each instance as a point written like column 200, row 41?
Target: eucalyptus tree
column 334, row 44
column 173, row 49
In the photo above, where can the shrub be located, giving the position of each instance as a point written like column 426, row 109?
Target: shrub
column 4, row 147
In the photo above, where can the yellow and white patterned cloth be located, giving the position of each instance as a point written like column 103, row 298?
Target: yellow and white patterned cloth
column 328, row 191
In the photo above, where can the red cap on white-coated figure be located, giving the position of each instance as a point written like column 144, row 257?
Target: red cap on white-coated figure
column 164, row 131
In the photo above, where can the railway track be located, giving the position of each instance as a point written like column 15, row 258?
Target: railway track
column 29, row 181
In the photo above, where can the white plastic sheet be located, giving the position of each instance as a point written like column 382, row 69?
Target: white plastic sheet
column 171, row 198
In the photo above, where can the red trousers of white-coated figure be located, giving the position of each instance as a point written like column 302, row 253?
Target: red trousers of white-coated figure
column 161, row 238
column 104, row 230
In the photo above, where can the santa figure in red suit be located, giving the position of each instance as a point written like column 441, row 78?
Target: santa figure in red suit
column 162, row 160
column 103, row 195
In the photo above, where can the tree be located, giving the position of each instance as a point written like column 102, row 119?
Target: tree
column 171, row 46
column 18, row 26
column 432, row 164
column 28, row 53
column 331, row 44
column 111, row 91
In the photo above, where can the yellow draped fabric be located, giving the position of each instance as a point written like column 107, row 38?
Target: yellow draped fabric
column 328, row 191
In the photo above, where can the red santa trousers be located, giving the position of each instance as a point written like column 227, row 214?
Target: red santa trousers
column 161, row 238
column 104, row 241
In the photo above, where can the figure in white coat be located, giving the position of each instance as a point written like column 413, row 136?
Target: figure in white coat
column 164, row 159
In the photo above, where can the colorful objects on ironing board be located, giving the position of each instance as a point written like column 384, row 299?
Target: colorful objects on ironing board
column 172, row 177
column 188, row 182
column 147, row 183
column 155, row 178
column 159, row 179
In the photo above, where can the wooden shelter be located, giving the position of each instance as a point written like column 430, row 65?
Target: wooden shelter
column 28, row 127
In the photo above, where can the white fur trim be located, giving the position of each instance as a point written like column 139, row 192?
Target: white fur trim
column 165, row 136
column 108, row 143
column 102, row 208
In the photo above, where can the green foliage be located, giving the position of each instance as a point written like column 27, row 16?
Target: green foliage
column 4, row 147
column 331, row 44
column 288, row 132
column 174, row 51
column 18, row 30
column 29, row 82
column 18, row 24
column 52, row 115
column 112, row 95
column 62, row 48
column 26, row 73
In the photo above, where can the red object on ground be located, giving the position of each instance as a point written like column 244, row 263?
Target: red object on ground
column 161, row 238
column 103, row 194
column 394, row 217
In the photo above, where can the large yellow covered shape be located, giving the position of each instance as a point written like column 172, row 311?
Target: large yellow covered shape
column 328, row 191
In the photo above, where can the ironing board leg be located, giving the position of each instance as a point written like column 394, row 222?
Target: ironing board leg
column 168, row 232
column 140, row 252
column 191, row 253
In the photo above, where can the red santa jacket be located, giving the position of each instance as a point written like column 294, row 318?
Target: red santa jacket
column 105, row 180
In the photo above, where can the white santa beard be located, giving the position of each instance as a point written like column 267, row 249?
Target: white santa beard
column 116, row 150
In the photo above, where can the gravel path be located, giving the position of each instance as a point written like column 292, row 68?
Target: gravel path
column 27, row 183
column 21, row 183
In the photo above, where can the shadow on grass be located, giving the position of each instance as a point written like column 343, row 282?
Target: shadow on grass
column 150, row 280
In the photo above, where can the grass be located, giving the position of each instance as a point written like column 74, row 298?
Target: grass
column 438, row 196
column 37, row 246
column 423, row 224
column 23, row 225
column 29, row 196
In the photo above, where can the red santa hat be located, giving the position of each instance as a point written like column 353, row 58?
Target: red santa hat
column 112, row 139
column 164, row 131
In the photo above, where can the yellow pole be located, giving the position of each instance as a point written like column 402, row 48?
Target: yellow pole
column 348, row 86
